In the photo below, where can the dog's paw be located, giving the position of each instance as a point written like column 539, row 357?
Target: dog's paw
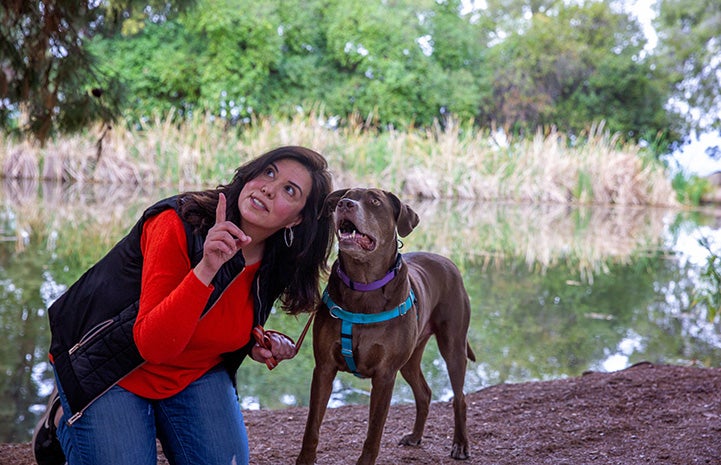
column 410, row 440
column 460, row 451
column 305, row 459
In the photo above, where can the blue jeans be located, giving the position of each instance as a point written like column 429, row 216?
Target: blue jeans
column 202, row 424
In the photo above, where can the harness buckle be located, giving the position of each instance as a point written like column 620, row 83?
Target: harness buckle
column 332, row 312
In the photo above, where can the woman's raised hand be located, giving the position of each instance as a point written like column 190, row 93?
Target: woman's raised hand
column 223, row 241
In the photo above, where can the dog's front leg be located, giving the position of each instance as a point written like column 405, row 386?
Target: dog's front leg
column 413, row 374
column 381, row 393
column 320, row 390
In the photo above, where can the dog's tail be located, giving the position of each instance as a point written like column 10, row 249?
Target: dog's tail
column 469, row 353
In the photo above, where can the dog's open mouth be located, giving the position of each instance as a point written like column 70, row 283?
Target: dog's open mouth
column 348, row 233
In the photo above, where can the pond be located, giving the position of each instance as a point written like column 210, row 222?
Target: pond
column 556, row 290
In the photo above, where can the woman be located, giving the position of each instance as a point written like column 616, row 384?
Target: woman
column 147, row 342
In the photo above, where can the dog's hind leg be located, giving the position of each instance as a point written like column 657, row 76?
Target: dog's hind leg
column 413, row 375
column 453, row 349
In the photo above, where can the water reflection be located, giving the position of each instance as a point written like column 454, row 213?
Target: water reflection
column 555, row 290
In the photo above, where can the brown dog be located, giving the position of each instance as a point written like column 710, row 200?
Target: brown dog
column 376, row 322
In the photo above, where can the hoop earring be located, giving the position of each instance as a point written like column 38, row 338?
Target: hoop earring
column 288, row 237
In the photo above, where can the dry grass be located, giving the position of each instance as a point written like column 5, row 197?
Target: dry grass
column 475, row 168
column 453, row 161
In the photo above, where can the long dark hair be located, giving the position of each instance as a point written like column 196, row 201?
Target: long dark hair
column 297, row 269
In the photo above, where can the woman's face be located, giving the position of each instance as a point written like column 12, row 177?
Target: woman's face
column 275, row 198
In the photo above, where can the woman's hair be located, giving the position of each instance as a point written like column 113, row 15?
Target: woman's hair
column 298, row 268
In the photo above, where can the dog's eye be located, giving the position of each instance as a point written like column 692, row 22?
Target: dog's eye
column 375, row 201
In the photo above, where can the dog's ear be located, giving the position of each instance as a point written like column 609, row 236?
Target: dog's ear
column 406, row 218
column 331, row 201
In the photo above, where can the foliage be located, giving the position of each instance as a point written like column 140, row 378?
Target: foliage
column 158, row 71
column 709, row 295
column 522, row 64
column 41, row 54
column 48, row 79
column 690, row 189
column 569, row 70
column 689, row 50
column 252, row 58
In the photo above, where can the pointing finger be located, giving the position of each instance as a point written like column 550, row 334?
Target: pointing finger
column 220, row 209
column 241, row 239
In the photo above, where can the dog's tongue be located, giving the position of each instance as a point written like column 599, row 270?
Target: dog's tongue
column 363, row 241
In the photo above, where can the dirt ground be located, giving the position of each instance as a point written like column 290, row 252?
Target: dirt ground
column 644, row 414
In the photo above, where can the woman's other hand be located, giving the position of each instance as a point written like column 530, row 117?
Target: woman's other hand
column 272, row 347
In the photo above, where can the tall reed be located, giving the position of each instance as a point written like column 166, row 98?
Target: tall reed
column 450, row 160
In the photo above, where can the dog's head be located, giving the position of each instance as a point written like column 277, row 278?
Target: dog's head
column 366, row 220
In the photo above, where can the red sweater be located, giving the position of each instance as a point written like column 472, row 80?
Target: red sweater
column 176, row 343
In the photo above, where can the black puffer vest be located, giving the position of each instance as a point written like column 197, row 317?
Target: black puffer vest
column 92, row 344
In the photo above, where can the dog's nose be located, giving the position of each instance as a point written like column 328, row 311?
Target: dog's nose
column 346, row 204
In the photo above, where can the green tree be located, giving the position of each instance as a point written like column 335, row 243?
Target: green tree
column 578, row 65
column 689, row 49
column 520, row 63
column 515, row 16
column 460, row 45
column 47, row 74
column 156, row 71
column 385, row 70
column 400, row 62
column 405, row 62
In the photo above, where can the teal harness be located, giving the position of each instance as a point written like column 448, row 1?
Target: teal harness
column 348, row 319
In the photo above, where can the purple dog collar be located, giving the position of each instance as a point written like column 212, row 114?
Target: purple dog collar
column 364, row 287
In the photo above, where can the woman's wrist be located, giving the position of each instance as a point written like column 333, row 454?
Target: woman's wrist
column 204, row 273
